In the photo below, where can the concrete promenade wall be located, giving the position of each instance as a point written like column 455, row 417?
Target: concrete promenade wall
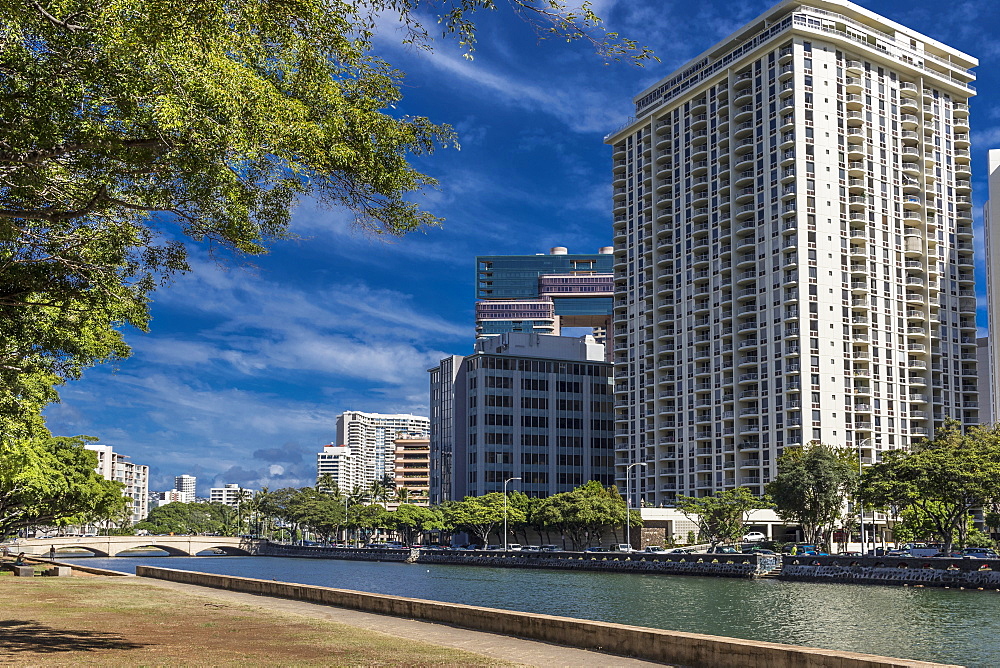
column 671, row 647
column 928, row 572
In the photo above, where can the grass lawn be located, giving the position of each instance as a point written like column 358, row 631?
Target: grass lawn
column 128, row 622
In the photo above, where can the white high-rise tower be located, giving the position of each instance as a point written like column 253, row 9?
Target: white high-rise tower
column 371, row 437
column 793, row 250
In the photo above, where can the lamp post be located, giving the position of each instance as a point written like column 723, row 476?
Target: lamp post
column 861, row 508
column 628, row 501
column 505, row 511
column 347, row 530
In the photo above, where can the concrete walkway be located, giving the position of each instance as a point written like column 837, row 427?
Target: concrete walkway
column 507, row 648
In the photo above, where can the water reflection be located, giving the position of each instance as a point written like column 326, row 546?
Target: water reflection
column 950, row 626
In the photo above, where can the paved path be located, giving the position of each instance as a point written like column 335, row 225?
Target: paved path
column 525, row 652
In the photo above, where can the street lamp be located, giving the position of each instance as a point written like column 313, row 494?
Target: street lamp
column 347, row 530
column 861, row 507
column 505, row 511
column 628, row 501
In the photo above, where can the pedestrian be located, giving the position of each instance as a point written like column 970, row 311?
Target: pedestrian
column 795, row 550
column 52, row 553
column 20, row 560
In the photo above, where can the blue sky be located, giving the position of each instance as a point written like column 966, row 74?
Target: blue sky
column 246, row 368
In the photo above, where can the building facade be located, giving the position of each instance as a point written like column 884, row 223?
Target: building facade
column 793, row 250
column 541, row 294
column 370, row 437
column 230, row 494
column 413, row 467
column 991, row 227
column 344, row 468
column 135, row 477
column 158, row 499
column 523, row 405
column 443, row 426
column 188, row 484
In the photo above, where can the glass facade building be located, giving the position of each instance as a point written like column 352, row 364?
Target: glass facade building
column 541, row 294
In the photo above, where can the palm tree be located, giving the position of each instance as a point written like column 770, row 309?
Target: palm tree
column 327, row 484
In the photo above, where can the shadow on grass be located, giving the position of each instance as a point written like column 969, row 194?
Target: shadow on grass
column 28, row 636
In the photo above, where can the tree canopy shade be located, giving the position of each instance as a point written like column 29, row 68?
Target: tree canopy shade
column 52, row 481
column 721, row 518
column 133, row 126
column 811, row 487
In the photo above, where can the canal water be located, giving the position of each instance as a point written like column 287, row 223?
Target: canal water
column 949, row 626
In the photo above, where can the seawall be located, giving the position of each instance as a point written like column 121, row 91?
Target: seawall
column 671, row 647
column 913, row 571
column 720, row 565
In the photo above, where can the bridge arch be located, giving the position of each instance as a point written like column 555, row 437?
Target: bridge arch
column 89, row 548
column 229, row 550
column 171, row 550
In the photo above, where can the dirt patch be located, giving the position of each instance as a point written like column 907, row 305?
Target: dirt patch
column 127, row 622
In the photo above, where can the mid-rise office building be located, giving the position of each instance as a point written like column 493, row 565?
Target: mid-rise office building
column 135, row 477
column 371, row 438
column 412, row 466
column 542, row 294
column 230, row 494
column 793, row 250
column 530, row 406
column 186, row 483
column 342, row 465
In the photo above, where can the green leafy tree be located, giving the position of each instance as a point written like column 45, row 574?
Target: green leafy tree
column 940, row 482
column 811, row 487
column 190, row 518
column 368, row 520
column 410, row 521
column 51, row 481
column 132, row 128
column 723, row 517
column 480, row 516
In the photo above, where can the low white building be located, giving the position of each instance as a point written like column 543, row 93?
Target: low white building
column 135, row 477
column 230, row 494
column 171, row 496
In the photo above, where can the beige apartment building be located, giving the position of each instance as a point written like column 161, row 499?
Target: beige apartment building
column 412, row 466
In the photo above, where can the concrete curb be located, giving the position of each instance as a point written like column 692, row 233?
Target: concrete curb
column 671, row 647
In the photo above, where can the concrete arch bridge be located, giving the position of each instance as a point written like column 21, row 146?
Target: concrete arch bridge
column 112, row 546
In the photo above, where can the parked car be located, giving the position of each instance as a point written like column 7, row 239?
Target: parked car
column 515, row 547
column 494, row 548
column 979, row 553
column 622, row 547
column 754, row 537
column 655, row 549
column 921, row 549
column 726, row 550
column 597, row 548
column 551, row 548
